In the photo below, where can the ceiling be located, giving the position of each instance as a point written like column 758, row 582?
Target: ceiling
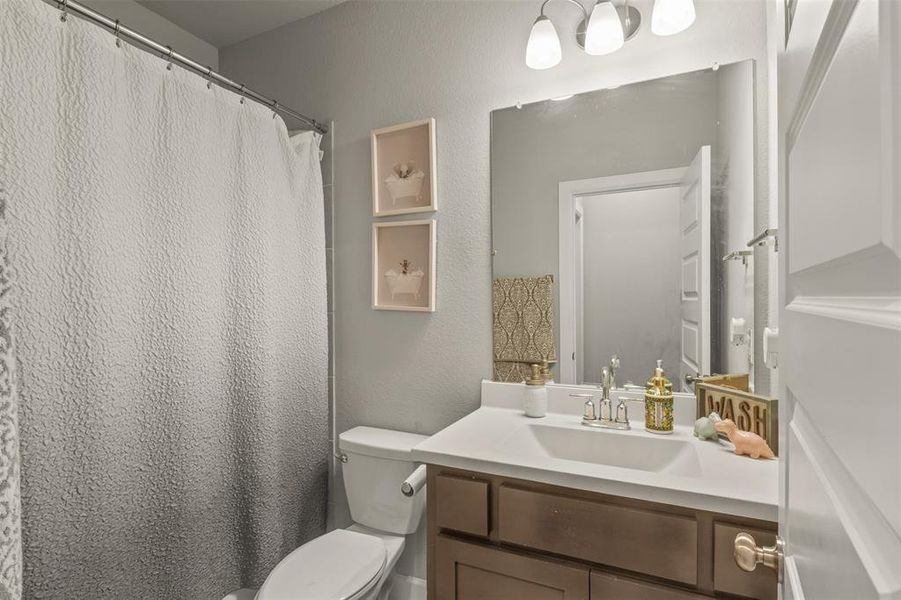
column 226, row 22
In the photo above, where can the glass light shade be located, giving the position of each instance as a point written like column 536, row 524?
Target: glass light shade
column 604, row 33
column 672, row 16
column 543, row 50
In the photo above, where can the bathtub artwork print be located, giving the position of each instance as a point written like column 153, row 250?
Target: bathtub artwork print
column 403, row 169
column 403, row 265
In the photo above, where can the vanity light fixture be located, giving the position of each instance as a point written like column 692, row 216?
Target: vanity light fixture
column 602, row 31
column 670, row 17
column 605, row 29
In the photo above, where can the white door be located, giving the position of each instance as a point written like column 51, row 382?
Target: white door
column 694, row 222
column 840, row 307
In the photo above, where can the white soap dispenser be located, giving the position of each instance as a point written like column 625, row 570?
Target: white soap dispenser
column 535, row 403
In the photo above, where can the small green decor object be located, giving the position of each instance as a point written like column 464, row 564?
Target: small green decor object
column 705, row 427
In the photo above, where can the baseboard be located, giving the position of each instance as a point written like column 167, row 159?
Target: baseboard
column 407, row 588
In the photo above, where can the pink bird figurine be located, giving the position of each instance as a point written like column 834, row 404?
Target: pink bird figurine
column 745, row 442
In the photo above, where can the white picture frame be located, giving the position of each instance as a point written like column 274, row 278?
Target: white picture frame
column 395, row 192
column 399, row 287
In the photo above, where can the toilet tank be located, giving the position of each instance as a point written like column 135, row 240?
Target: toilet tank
column 378, row 462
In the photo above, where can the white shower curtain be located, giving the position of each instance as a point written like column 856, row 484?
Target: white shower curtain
column 165, row 264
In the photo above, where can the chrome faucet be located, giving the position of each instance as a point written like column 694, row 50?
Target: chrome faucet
column 606, row 412
column 603, row 417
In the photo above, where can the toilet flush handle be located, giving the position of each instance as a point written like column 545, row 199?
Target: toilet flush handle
column 413, row 483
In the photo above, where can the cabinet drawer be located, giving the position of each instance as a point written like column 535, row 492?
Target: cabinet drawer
column 605, row 586
column 632, row 538
column 760, row 584
column 461, row 504
column 467, row 571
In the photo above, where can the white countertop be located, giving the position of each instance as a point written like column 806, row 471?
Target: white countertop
column 717, row 481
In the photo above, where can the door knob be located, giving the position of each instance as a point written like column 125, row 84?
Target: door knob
column 748, row 554
column 690, row 379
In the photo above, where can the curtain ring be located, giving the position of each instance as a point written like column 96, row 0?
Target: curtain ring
column 169, row 66
column 64, row 8
column 274, row 108
column 241, row 91
column 209, row 78
column 116, row 33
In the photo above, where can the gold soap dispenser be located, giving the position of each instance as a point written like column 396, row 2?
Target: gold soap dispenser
column 658, row 402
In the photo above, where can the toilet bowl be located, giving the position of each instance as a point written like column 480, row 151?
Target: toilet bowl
column 357, row 563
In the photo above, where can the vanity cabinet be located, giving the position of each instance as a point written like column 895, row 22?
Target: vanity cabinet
column 502, row 538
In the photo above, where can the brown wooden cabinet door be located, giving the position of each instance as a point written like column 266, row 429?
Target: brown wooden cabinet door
column 606, row 586
column 472, row 572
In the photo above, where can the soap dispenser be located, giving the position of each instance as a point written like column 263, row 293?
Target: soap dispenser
column 658, row 402
column 535, row 403
column 546, row 372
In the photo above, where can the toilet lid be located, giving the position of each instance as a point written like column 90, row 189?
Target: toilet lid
column 338, row 565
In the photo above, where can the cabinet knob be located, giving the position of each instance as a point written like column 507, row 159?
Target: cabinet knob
column 748, row 554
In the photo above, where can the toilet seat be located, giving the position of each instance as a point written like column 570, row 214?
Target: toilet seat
column 340, row 565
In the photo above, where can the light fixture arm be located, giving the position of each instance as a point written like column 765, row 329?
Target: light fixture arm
column 628, row 15
column 579, row 4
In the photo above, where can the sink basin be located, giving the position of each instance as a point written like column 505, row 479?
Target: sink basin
column 633, row 450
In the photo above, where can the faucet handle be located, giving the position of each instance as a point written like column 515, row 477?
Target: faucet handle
column 588, row 413
column 622, row 412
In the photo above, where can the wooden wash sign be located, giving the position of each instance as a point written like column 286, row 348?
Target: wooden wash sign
column 750, row 412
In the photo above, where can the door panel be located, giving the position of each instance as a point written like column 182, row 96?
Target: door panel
column 606, row 586
column 850, row 419
column 840, row 289
column 822, row 548
column 690, row 345
column 835, row 167
column 472, row 572
column 475, row 583
column 694, row 218
column 690, row 270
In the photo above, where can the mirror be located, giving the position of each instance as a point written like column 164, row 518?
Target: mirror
column 620, row 225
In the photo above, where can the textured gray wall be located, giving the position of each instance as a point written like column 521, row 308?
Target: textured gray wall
column 158, row 28
column 371, row 64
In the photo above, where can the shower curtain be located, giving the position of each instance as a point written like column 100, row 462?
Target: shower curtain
column 162, row 298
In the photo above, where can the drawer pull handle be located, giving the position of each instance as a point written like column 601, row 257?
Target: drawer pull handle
column 748, row 554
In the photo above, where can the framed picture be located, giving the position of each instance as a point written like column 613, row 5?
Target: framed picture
column 403, row 265
column 404, row 169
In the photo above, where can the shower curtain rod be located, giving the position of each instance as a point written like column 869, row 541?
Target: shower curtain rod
column 168, row 53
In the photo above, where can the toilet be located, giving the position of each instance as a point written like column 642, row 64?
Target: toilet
column 356, row 563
